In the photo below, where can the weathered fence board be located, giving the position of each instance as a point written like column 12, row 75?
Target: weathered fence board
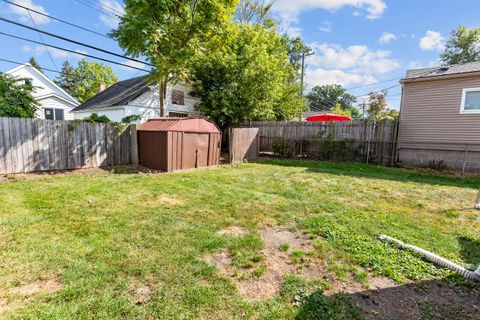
column 365, row 140
column 28, row 145
column 244, row 144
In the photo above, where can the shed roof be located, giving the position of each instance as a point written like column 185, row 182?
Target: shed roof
column 118, row 94
column 455, row 69
column 179, row 124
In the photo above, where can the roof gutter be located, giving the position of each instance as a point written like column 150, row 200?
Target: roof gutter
column 440, row 77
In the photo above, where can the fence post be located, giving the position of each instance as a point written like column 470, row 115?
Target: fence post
column 134, row 143
column 465, row 159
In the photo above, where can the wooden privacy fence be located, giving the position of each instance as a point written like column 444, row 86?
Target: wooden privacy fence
column 244, row 144
column 28, row 145
column 358, row 140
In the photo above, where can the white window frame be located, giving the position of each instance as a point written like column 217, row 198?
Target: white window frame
column 464, row 98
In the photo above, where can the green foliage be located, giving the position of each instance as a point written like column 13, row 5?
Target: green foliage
column 296, row 49
column 95, row 118
column 33, row 62
column 16, row 99
column 89, row 77
column 377, row 107
column 462, row 47
column 317, row 306
column 170, row 33
column 255, row 12
column 340, row 111
column 131, row 118
column 250, row 79
column 68, row 79
column 326, row 98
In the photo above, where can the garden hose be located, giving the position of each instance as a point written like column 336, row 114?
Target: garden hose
column 468, row 274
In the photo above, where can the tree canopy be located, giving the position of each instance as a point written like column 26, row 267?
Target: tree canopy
column 16, row 99
column 170, row 33
column 326, row 98
column 377, row 107
column 250, row 78
column 33, row 62
column 84, row 81
column 463, row 46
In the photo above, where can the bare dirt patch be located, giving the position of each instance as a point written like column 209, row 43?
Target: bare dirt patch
column 19, row 296
column 142, row 294
column 278, row 246
column 233, row 231
column 39, row 287
column 169, row 201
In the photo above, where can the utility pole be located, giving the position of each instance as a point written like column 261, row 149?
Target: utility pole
column 306, row 53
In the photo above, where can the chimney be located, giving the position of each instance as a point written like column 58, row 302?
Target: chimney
column 102, row 87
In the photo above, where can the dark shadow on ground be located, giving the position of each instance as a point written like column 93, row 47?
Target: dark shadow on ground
column 377, row 172
column 428, row 300
column 129, row 169
column 470, row 251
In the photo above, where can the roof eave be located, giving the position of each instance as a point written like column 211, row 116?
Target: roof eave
column 440, row 77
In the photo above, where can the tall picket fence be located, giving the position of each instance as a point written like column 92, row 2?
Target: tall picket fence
column 358, row 140
column 28, row 145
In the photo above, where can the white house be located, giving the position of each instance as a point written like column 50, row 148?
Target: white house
column 55, row 103
column 137, row 97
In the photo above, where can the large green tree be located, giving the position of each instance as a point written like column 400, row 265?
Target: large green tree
column 16, row 99
column 89, row 76
column 67, row 79
column 251, row 78
column 170, row 33
column 462, row 47
column 325, row 98
column 255, row 12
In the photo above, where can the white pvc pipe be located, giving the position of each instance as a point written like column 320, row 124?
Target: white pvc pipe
column 468, row 274
column 477, row 203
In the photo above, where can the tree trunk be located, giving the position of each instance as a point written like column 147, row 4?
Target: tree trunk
column 162, row 90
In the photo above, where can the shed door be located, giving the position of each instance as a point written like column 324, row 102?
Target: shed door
column 194, row 150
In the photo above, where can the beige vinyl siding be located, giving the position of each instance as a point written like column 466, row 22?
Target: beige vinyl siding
column 430, row 112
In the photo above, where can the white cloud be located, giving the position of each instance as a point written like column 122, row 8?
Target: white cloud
column 290, row 10
column 357, row 58
column 132, row 64
column 432, row 41
column 115, row 9
column 387, row 37
column 322, row 77
column 56, row 53
column 418, row 64
column 24, row 15
column 326, row 26
column 26, row 48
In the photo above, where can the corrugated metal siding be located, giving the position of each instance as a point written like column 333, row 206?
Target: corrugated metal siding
column 431, row 112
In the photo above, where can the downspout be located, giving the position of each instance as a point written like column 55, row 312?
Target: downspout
column 468, row 274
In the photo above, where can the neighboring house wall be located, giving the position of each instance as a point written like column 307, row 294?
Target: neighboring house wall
column 47, row 93
column 432, row 127
column 148, row 106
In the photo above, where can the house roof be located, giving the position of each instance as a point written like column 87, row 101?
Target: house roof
column 179, row 124
column 118, row 94
column 60, row 93
column 456, row 69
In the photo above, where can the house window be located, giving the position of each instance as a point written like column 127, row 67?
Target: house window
column 54, row 114
column 178, row 97
column 470, row 101
column 177, row 115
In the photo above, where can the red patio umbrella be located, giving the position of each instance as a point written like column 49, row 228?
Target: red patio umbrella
column 326, row 117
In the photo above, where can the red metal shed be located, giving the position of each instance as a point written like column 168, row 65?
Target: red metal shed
column 170, row 144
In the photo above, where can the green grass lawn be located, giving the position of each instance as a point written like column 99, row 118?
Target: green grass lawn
column 100, row 237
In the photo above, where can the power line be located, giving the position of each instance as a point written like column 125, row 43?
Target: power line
column 103, row 5
column 43, row 41
column 72, row 51
column 372, row 84
column 57, row 19
column 101, row 10
column 73, row 41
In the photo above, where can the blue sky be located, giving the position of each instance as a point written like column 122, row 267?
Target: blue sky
column 356, row 42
